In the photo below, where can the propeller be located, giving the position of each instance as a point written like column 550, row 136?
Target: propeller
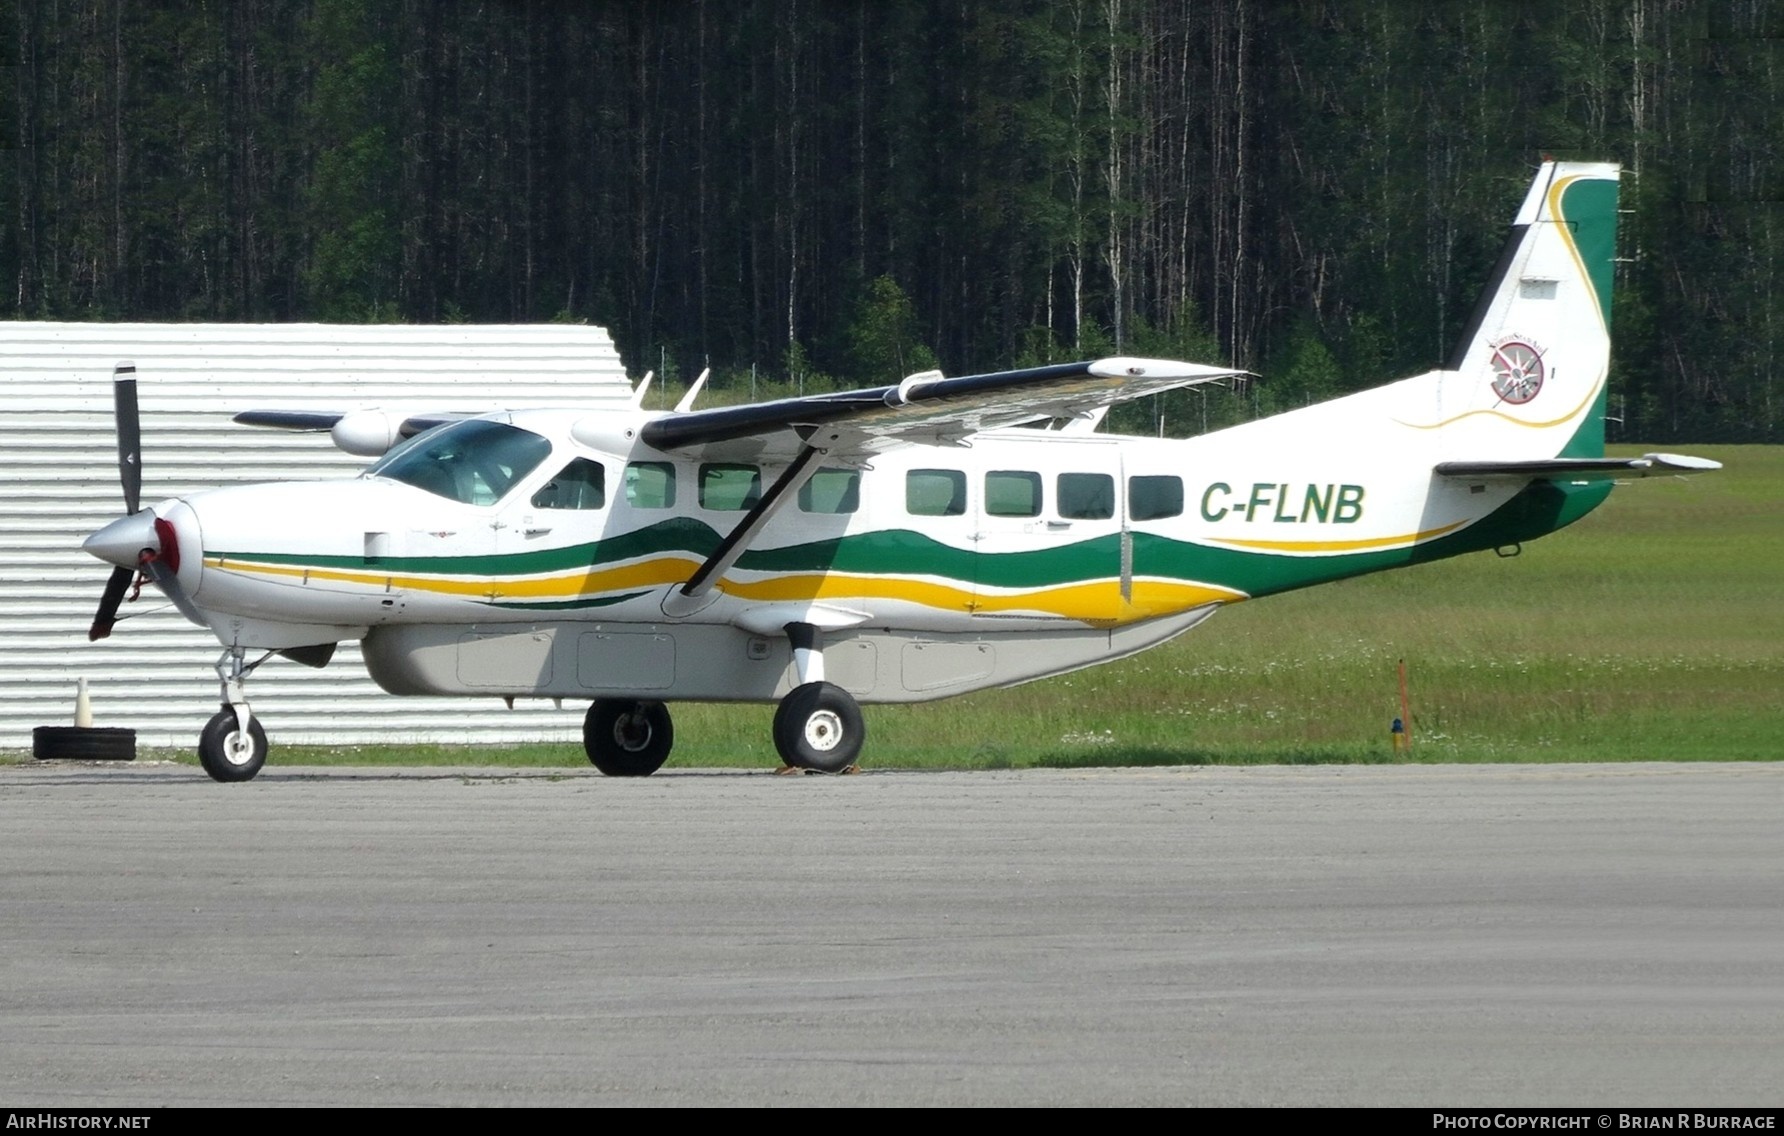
column 107, row 616
column 129, row 420
column 138, row 543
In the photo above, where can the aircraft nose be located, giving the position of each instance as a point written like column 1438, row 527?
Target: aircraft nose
column 122, row 541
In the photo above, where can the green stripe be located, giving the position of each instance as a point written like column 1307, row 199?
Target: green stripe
column 681, row 535
column 1540, row 508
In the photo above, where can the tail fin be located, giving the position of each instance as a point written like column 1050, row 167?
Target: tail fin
column 1527, row 380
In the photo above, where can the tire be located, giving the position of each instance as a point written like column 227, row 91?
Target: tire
column 625, row 738
column 818, row 726
column 83, row 743
column 220, row 751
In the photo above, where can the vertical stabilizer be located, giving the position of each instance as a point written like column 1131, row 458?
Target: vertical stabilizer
column 1528, row 378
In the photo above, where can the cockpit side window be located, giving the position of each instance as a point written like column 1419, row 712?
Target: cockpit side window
column 474, row 462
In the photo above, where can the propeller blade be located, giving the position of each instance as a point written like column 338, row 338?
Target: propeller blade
column 169, row 583
column 107, row 615
column 129, row 434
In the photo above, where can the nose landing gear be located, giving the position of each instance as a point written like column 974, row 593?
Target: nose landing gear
column 233, row 744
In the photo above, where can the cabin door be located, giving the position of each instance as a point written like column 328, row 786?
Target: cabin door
column 1050, row 535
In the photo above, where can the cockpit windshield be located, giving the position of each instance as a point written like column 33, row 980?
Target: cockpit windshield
column 474, row 462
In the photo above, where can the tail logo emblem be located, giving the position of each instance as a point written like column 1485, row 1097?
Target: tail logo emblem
column 1517, row 371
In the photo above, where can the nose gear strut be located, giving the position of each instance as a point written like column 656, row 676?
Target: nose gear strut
column 233, row 744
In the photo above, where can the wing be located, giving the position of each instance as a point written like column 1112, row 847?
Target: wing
column 926, row 408
column 312, row 420
column 1577, row 469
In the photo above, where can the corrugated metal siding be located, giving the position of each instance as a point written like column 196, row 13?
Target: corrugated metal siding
column 59, row 482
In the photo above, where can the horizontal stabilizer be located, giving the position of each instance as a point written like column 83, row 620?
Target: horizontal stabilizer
column 1577, row 469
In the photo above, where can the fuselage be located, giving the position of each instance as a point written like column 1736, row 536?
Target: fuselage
column 511, row 525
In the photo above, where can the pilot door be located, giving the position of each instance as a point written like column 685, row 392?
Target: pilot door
column 565, row 511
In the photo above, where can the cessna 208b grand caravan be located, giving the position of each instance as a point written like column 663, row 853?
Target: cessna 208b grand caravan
column 897, row 544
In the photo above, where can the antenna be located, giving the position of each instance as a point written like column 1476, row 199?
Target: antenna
column 642, row 389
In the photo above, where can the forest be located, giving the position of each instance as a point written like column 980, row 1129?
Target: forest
column 801, row 193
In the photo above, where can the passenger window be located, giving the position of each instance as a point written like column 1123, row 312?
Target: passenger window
column 729, row 488
column 580, row 485
column 1012, row 493
column 1154, row 498
column 831, row 491
column 935, row 492
column 650, row 485
column 1086, row 496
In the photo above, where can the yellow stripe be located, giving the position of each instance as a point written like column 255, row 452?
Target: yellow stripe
column 1096, row 602
column 1338, row 545
column 1570, row 415
column 646, row 574
column 1573, row 249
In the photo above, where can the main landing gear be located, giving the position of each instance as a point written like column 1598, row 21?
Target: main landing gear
column 627, row 739
column 233, row 746
column 817, row 726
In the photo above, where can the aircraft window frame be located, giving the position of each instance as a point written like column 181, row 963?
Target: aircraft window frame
column 915, row 494
column 719, row 484
column 1143, row 490
column 1001, row 493
column 477, row 461
column 1076, row 500
column 821, row 490
column 571, row 488
column 642, row 495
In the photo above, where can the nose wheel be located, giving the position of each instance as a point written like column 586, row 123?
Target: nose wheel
column 227, row 751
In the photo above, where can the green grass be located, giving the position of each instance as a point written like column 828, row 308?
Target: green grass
column 1651, row 630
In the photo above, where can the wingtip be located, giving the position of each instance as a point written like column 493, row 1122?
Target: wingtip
column 1131, row 367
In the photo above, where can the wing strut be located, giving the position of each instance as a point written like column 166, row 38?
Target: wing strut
column 692, row 596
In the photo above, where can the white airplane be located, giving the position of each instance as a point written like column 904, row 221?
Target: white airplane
column 897, row 544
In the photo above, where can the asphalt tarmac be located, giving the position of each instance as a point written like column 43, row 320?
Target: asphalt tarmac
column 1490, row 936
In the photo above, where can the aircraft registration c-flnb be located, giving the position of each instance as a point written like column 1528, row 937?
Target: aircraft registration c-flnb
column 897, row 544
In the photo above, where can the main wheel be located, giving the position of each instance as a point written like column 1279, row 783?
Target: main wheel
column 819, row 726
column 225, row 753
column 626, row 738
